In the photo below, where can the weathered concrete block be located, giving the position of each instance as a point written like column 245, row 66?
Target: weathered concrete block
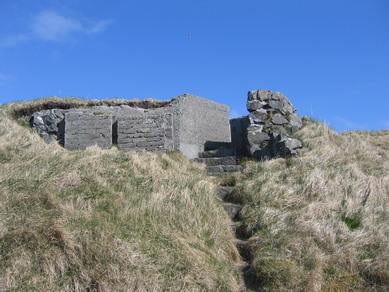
column 149, row 133
column 198, row 121
column 84, row 129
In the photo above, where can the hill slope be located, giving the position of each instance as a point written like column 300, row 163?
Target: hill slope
column 321, row 220
column 105, row 220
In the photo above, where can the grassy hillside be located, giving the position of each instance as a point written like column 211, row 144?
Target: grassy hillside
column 104, row 220
column 320, row 221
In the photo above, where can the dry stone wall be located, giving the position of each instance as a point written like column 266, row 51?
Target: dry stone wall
column 267, row 131
column 49, row 124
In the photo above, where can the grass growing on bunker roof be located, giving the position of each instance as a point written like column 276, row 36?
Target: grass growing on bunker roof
column 27, row 108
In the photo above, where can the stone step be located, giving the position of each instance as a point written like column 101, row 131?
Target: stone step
column 224, row 168
column 240, row 230
column 240, row 243
column 212, row 161
column 232, row 210
column 222, row 152
column 235, row 226
column 243, row 267
column 224, row 192
column 213, row 145
column 214, row 173
column 243, row 248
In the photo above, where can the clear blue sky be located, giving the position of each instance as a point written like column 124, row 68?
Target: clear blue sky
column 330, row 57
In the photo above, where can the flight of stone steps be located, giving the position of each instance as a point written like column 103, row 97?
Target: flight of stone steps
column 219, row 161
column 243, row 239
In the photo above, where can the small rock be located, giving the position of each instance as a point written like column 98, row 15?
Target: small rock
column 255, row 128
column 46, row 122
column 279, row 105
column 285, row 146
column 258, row 117
column 257, row 137
column 303, row 150
column 287, row 107
column 261, row 153
column 224, row 192
column 278, row 96
column 261, row 95
column 253, row 105
column 295, row 121
column 280, row 129
column 232, row 210
column 278, row 119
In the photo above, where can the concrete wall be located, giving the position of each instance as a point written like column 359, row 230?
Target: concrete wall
column 199, row 121
column 145, row 133
column 187, row 124
column 83, row 129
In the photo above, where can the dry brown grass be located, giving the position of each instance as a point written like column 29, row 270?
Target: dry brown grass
column 104, row 220
column 376, row 138
column 322, row 219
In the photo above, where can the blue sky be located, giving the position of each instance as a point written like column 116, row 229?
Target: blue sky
column 331, row 58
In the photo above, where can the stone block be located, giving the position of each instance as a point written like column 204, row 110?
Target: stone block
column 278, row 105
column 82, row 130
column 262, row 95
column 150, row 132
column 253, row 105
column 199, row 121
column 258, row 116
column 279, row 119
column 276, row 95
column 257, row 137
column 286, row 146
column 295, row 121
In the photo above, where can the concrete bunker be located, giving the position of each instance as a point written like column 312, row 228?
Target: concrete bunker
column 187, row 123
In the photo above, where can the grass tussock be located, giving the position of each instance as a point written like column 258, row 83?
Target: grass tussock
column 376, row 138
column 321, row 220
column 105, row 220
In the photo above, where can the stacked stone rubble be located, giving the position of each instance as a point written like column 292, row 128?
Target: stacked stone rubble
column 48, row 123
column 272, row 121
